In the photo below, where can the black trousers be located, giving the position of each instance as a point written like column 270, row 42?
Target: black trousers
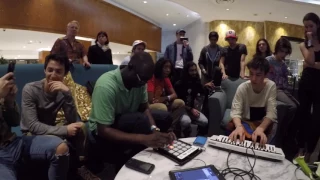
column 307, row 123
column 119, row 153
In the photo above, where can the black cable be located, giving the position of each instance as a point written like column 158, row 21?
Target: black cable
column 237, row 172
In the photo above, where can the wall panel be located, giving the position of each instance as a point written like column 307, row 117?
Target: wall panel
column 248, row 33
column 93, row 15
column 274, row 30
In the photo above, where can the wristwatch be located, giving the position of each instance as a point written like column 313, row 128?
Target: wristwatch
column 153, row 127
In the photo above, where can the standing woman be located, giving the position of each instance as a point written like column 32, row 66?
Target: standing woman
column 263, row 48
column 309, row 88
column 100, row 53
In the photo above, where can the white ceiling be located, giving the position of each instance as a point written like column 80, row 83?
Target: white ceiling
column 163, row 13
column 16, row 44
column 251, row 10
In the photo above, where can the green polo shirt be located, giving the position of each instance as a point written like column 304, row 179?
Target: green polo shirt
column 110, row 98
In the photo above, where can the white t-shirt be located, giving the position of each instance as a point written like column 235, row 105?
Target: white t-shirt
column 126, row 60
column 245, row 98
column 179, row 60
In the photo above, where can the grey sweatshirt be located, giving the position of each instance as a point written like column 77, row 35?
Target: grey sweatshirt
column 39, row 110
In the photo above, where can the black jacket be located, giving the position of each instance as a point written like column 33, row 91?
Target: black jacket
column 205, row 62
column 97, row 56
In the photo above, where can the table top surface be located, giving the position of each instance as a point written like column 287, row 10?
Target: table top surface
column 264, row 169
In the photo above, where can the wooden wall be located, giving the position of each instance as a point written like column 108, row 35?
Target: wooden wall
column 93, row 16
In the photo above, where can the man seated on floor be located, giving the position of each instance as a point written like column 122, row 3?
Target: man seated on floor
column 41, row 101
column 120, row 120
column 254, row 107
column 13, row 149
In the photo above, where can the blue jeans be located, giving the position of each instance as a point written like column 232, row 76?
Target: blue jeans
column 33, row 148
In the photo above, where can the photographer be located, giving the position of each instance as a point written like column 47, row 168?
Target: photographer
column 13, row 149
column 179, row 53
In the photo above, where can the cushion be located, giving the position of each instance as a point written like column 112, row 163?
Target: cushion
column 226, row 118
column 229, row 86
column 81, row 98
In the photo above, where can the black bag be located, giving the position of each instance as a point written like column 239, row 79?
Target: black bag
column 90, row 86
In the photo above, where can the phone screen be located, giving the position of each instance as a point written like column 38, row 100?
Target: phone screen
column 200, row 141
column 11, row 67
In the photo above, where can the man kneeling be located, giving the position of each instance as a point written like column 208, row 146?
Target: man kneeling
column 120, row 119
column 253, row 110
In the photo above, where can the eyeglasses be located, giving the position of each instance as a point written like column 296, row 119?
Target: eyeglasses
column 139, row 79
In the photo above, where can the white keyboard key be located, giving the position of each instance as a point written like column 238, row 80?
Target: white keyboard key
column 268, row 151
column 237, row 142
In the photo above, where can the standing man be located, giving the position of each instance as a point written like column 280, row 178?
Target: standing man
column 179, row 53
column 70, row 46
column 232, row 62
column 209, row 60
column 137, row 46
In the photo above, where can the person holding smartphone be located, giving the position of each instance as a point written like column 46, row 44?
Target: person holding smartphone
column 179, row 53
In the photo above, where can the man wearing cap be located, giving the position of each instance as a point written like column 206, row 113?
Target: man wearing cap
column 179, row 53
column 232, row 62
column 70, row 46
column 209, row 60
column 137, row 46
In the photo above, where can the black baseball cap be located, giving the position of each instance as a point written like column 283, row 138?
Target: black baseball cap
column 180, row 30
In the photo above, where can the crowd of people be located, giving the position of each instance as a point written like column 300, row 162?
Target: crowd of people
column 145, row 104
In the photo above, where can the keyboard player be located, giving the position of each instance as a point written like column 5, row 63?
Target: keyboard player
column 253, row 110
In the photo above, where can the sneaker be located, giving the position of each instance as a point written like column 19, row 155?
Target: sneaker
column 86, row 174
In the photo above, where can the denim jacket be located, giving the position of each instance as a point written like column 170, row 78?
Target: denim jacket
column 171, row 53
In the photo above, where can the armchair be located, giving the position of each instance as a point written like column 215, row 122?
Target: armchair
column 220, row 107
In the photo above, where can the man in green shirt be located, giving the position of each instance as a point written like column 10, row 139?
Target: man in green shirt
column 120, row 119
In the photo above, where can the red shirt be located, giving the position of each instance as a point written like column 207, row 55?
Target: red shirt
column 159, row 86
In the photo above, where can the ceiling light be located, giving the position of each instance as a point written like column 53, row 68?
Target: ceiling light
column 174, row 24
column 145, row 2
column 24, row 46
column 18, row 55
column 167, row 14
column 187, row 15
column 30, row 41
column 227, row 9
column 286, row 17
column 309, row 1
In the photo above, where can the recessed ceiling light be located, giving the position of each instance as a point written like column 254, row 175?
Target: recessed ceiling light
column 18, row 55
column 30, row 41
column 187, row 15
column 227, row 9
column 167, row 14
column 174, row 24
column 286, row 17
column 145, row 2
column 24, row 46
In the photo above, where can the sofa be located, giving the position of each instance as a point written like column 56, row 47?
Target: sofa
column 220, row 107
column 25, row 73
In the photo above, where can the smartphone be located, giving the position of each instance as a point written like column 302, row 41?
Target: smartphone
column 11, row 67
column 140, row 166
column 184, row 39
column 200, row 141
